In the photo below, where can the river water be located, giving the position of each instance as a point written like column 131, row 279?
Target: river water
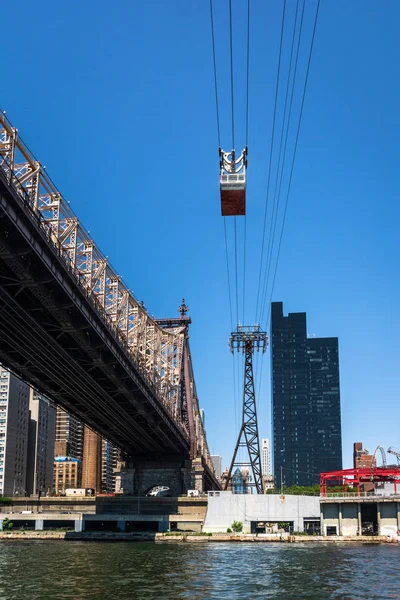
column 42, row 570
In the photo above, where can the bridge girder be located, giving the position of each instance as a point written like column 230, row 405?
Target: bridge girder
column 70, row 326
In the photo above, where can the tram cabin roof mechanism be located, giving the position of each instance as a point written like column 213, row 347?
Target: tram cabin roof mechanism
column 233, row 183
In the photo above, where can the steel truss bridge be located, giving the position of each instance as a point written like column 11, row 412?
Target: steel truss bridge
column 70, row 327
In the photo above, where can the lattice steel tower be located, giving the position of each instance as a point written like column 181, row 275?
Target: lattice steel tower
column 246, row 339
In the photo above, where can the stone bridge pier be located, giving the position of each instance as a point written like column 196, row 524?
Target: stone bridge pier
column 138, row 476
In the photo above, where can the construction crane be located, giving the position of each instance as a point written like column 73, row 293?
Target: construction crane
column 395, row 453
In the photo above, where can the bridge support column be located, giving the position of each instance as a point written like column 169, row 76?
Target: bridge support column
column 140, row 475
column 39, row 526
column 121, row 525
column 79, row 525
column 322, row 520
column 378, row 516
column 163, row 525
column 197, row 475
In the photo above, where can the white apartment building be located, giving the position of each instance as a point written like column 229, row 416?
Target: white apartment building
column 14, row 423
column 41, row 440
column 268, row 480
column 266, row 458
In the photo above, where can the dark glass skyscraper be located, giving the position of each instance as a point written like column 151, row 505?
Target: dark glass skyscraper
column 305, row 401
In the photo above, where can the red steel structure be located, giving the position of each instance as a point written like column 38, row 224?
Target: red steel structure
column 356, row 477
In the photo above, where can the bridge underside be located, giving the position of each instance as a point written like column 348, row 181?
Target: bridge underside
column 52, row 337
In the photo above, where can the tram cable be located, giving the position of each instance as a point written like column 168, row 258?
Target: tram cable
column 232, row 84
column 236, row 273
column 290, row 177
column 258, row 373
column 228, row 276
column 233, row 175
column 270, row 155
column 281, row 167
column 247, row 73
column 233, row 147
column 294, row 154
column 235, row 390
column 215, row 72
column 265, row 288
column 247, row 145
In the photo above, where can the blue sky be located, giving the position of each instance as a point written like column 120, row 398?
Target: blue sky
column 118, row 103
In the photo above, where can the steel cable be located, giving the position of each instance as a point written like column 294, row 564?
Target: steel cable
column 294, row 153
column 277, row 196
column 232, row 90
column 247, row 142
column 270, row 155
column 215, row 72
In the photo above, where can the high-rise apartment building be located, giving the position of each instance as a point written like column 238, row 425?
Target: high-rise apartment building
column 305, row 401
column 323, row 360
column 217, row 462
column 14, row 424
column 109, row 460
column 267, row 478
column 91, row 464
column 69, row 435
column 41, row 440
column 67, row 474
column 265, row 458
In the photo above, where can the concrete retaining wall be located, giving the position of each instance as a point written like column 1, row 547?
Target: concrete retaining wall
column 226, row 507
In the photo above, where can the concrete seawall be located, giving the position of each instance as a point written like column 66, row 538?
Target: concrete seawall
column 190, row 538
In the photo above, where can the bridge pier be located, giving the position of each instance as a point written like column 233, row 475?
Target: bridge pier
column 138, row 476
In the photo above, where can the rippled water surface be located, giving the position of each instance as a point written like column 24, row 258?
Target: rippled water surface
column 121, row 571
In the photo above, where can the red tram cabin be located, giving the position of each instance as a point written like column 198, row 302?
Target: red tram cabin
column 233, row 183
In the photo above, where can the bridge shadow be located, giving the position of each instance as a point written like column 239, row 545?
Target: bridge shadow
column 137, row 505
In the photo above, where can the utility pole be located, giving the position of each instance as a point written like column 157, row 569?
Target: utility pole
column 246, row 339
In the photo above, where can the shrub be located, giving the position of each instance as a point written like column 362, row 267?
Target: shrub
column 237, row 526
column 4, row 500
column 7, row 525
column 229, row 530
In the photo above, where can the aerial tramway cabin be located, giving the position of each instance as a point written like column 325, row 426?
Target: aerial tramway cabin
column 233, row 183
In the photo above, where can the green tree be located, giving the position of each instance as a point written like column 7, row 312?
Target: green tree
column 237, row 526
column 7, row 525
